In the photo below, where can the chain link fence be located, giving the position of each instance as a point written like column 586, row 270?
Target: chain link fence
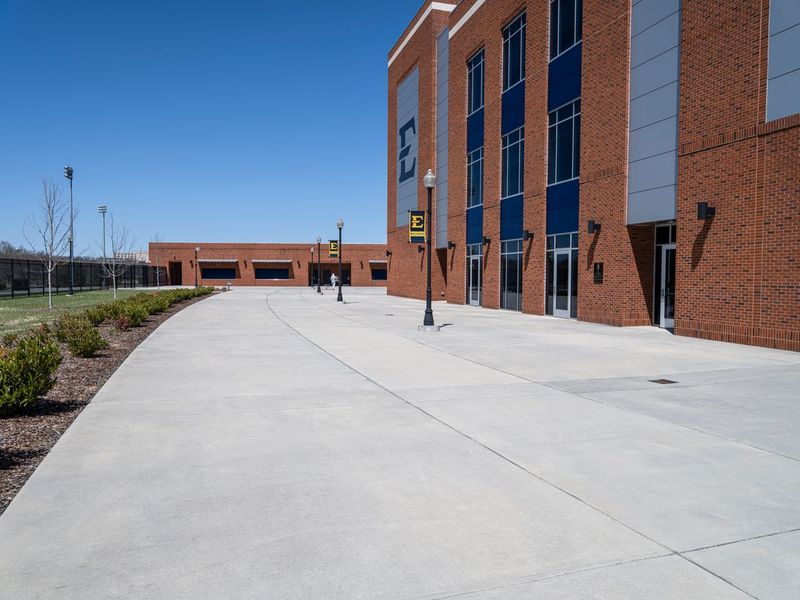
column 28, row 277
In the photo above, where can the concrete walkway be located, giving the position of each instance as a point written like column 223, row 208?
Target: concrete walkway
column 276, row 444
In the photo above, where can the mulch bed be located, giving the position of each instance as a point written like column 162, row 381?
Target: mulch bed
column 26, row 439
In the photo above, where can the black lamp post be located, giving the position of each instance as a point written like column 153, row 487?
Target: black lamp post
column 196, row 250
column 319, row 265
column 103, row 209
column 68, row 171
column 340, row 224
column 429, row 180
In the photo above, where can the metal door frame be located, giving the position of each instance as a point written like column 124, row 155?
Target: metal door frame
column 564, row 314
column 479, row 259
column 664, row 322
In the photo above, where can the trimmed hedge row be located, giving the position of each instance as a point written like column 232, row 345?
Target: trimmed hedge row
column 28, row 362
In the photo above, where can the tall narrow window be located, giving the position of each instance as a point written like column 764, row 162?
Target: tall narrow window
column 514, row 52
column 513, row 162
column 475, row 178
column 475, row 83
column 566, row 25
column 564, row 135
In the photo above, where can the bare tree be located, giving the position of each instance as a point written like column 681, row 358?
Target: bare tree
column 157, row 238
column 50, row 236
column 121, row 248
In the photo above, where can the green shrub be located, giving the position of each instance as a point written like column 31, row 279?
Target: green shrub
column 97, row 315
column 80, row 336
column 136, row 314
column 26, row 370
column 85, row 341
column 122, row 323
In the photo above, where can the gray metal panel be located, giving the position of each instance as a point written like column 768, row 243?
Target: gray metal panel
column 783, row 96
column 783, row 14
column 656, row 40
column 652, row 205
column 784, row 52
column 407, row 146
column 442, row 82
column 656, row 73
column 653, row 110
column 653, row 172
column 655, row 106
column 654, row 139
column 649, row 12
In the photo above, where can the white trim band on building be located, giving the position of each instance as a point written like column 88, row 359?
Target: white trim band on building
column 433, row 6
column 467, row 16
column 377, row 262
column 217, row 260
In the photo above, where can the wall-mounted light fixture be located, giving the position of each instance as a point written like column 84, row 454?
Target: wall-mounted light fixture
column 704, row 211
column 486, row 240
column 420, row 249
column 594, row 227
column 451, row 244
column 527, row 234
column 388, row 253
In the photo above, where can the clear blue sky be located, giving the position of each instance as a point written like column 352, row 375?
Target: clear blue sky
column 199, row 120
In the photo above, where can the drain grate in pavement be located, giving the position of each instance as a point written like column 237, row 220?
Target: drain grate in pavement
column 662, row 381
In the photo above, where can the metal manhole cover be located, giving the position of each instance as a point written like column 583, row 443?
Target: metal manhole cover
column 663, row 381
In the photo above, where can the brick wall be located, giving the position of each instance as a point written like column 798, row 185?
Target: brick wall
column 738, row 277
column 357, row 256
column 407, row 266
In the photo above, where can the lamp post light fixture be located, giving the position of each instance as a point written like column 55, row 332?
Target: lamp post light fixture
column 103, row 209
column 319, row 265
column 68, row 173
column 430, row 181
column 196, row 250
column 340, row 224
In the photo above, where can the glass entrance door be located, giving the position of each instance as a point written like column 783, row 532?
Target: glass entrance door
column 561, row 283
column 668, row 286
column 474, row 280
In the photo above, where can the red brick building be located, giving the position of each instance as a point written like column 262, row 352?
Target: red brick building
column 627, row 163
column 268, row 264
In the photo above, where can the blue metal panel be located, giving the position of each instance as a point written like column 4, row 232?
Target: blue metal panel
column 475, row 130
column 564, row 78
column 511, row 217
column 513, row 112
column 562, row 207
column 475, row 225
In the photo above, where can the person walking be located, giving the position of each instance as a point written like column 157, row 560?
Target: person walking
column 333, row 281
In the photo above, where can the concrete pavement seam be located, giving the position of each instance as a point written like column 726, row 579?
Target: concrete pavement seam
column 499, row 454
column 576, row 394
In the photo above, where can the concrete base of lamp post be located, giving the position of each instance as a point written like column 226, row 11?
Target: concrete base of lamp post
column 429, row 328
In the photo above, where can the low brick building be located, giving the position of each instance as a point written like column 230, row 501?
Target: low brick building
column 615, row 161
column 268, row 264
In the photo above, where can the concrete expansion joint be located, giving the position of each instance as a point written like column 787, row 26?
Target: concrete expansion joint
column 500, row 455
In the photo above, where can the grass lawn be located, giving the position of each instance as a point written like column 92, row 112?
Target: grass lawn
column 19, row 314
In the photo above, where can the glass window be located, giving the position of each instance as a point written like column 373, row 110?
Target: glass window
column 566, row 25
column 475, row 82
column 563, row 141
column 514, row 52
column 513, row 162
column 218, row 273
column 475, row 178
column 511, row 275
